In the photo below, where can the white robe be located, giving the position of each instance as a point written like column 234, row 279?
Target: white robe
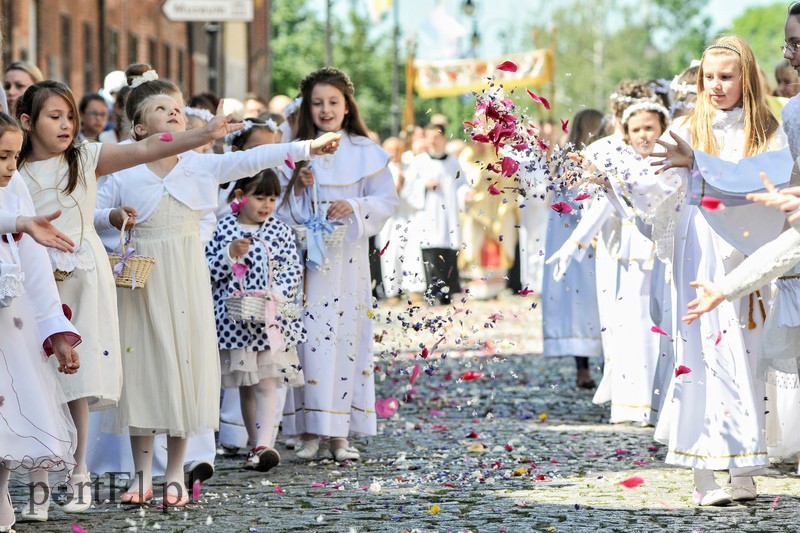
column 714, row 416
column 339, row 393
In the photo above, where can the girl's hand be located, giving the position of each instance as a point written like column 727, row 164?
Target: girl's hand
column 43, row 232
column 219, row 126
column 327, row 143
column 787, row 200
column 239, row 247
column 117, row 217
column 708, row 301
column 339, row 209
column 68, row 359
column 305, row 179
column 678, row 155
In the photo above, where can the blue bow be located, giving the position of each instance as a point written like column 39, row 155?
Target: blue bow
column 121, row 265
column 317, row 251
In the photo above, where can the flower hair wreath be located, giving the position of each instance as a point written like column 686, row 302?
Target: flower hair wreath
column 644, row 106
column 150, row 75
column 248, row 125
column 203, row 114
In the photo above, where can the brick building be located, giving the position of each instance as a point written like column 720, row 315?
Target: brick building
column 80, row 41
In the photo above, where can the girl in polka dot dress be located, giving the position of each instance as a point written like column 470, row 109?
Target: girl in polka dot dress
column 257, row 357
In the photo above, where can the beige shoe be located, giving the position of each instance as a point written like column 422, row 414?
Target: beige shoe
column 742, row 489
column 308, row 449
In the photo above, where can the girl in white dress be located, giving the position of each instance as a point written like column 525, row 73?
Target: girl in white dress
column 61, row 174
column 171, row 362
column 731, row 121
column 357, row 189
column 36, row 431
column 258, row 359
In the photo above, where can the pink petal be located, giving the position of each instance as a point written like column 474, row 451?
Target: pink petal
column 278, row 490
column 78, row 529
column 565, row 126
column 562, row 207
column 507, row 66
column 525, row 292
column 681, row 370
column 542, row 145
column 582, row 196
column 493, row 190
column 509, row 166
column 472, row 435
column 414, row 374
column 289, row 161
column 719, row 338
column 424, row 353
column 166, row 137
column 709, row 203
column 471, row 375
column 383, row 250
column 387, row 407
column 509, row 447
column 656, row 329
column 632, row 482
column 540, row 99
column 317, row 485
column 196, row 490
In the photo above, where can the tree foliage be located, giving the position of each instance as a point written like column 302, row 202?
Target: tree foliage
column 762, row 28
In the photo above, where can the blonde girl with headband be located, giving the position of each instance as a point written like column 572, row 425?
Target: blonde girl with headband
column 61, row 174
column 623, row 259
column 713, row 417
column 173, row 377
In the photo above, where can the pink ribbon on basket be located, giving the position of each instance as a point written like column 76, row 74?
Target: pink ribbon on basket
column 277, row 343
column 121, row 265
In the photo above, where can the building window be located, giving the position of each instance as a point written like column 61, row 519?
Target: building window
column 152, row 52
column 66, row 64
column 113, row 49
column 181, row 66
column 88, row 59
column 8, row 35
column 133, row 49
column 168, row 61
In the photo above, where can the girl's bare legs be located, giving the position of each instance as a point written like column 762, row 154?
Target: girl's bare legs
column 173, row 477
column 6, row 509
column 79, row 483
column 142, row 448
column 39, row 496
column 265, row 402
column 247, row 401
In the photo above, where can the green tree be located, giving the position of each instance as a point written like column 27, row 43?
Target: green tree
column 762, row 28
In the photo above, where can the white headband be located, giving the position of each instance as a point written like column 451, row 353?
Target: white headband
column 644, row 106
column 203, row 114
column 149, row 75
column 630, row 99
column 248, row 125
column 292, row 107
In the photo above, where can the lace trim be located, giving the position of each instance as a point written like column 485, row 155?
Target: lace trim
column 11, row 287
column 82, row 259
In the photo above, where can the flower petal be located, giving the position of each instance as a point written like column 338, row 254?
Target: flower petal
column 493, row 190
column 582, row 196
column 565, row 126
column 290, row 161
column 632, row 482
column 386, row 407
column 709, row 203
column 507, row 66
column 540, row 99
column 681, row 370
column 656, row 329
column 561, row 207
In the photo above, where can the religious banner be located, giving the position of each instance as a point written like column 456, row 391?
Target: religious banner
column 446, row 78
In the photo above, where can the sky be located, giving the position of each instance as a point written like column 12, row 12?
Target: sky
column 498, row 16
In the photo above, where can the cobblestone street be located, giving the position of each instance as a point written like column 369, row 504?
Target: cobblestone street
column 490, row 437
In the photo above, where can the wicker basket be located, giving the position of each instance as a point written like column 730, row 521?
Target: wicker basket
column 332, row 240
column 136, row 266
column 61, row 275
column 246, row 308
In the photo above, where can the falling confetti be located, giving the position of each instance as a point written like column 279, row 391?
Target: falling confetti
column 709, row 203
column 539, row 99
column 681, row 370
column 565, row 126
column 290, row 162
column 656, row 329
column 507, row 66
column 562, row 208
column 493, row 190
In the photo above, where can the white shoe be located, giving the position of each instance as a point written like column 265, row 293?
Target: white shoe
column 291, row 442
column 348, row 453
column 81, row 498
column 10, row 527
column 35, row 512
column 308, row 449
column 712, row 498
column 743, row 489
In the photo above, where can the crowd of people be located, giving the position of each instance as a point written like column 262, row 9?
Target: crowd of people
column 257, row 223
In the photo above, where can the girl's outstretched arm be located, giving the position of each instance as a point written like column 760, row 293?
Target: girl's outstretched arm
column 116, row 157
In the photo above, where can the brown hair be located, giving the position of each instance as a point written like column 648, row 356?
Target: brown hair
column 31, row 104
column 134, row 104
column 587, row 126
column 8, row 123
column 352, row 123
column 759, row 123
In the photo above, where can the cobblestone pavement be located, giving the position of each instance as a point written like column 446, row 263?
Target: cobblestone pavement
column 515, row 448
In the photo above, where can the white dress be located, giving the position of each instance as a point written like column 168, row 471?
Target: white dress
column 36, row 429
column 339, row 393
column 713, row 417
column 89, row 292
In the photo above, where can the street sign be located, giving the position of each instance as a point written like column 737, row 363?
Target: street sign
column 208, row 10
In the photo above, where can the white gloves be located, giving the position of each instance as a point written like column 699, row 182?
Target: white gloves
column 562, row 259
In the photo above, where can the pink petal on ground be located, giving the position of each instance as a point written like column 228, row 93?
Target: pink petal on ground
column 386, row 407
column 632, row 482
column 681, row 370
column 509, row 447
column 166, row 137
column 414, row 374
column 471, row 375
column 290, row 161
column 196, row 490
column 507, row 66
column 709, row 203
column 656, row 329
column 78, row 529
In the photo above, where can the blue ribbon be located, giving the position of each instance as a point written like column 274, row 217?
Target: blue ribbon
column 317, row 251
column 121, row 265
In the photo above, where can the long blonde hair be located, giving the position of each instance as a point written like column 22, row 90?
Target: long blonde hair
column 759, row 123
